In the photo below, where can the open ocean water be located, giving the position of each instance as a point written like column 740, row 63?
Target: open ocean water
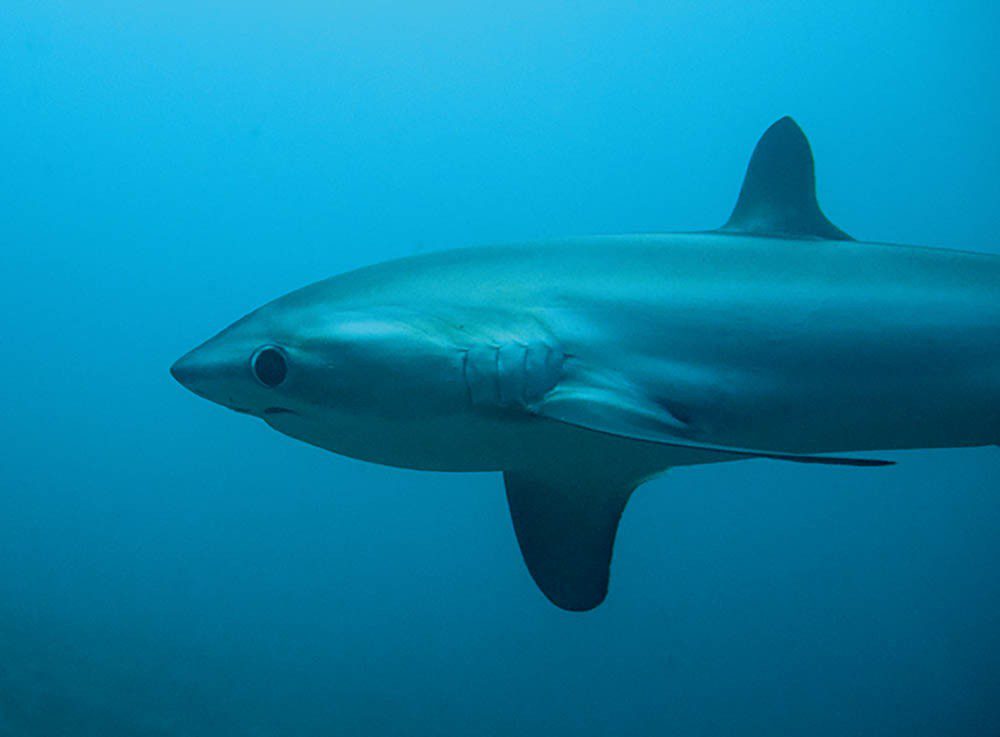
column 168, row 568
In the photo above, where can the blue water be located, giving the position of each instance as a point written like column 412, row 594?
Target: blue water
column 170, row 568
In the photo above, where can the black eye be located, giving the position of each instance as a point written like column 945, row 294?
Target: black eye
column 269, row 366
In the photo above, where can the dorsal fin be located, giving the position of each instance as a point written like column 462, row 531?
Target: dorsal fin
column 778, row 197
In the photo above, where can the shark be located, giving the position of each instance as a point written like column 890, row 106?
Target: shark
column 581, row 368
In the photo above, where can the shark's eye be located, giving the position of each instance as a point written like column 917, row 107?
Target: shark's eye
column 269, row 366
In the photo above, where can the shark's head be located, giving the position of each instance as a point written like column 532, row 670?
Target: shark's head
column 256, row 366
column 318, row 370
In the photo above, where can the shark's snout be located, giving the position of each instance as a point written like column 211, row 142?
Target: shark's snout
column 183, row 370
column 203, row 373
column 192, row 370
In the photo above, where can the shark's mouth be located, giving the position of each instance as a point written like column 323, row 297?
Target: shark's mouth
column 278, row 411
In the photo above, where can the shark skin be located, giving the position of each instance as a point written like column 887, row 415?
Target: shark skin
column 582, row 368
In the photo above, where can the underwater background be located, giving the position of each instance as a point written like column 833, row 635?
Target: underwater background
column 170, row 568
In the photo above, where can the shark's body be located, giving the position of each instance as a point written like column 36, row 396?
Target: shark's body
column 582, row 368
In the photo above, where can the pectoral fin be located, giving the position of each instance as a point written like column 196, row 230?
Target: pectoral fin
column 565, row 521
column 617, row 409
